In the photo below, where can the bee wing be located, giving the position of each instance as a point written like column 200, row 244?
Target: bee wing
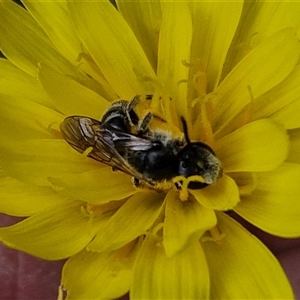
column 123, row 140
column 78, row 132
column 83, row 133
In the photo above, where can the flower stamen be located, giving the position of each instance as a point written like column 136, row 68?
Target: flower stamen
column 157, row 229
column 100, row 210
column 157, row 234
column 52, row 128
column 87, row 151
column 183, row 182
column 62, row 293
column 246, row 182
column 198, row 82
column 215, row 236
column 203, row 123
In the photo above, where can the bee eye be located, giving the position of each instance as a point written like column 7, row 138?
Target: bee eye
column 183, row 165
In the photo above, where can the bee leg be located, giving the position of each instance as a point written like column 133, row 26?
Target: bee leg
column 132, row 117
column 136, row 182
column 144, row 123
column 178, row 185
column 133, row 103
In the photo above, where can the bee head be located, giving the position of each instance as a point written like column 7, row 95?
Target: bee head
column 197, row 158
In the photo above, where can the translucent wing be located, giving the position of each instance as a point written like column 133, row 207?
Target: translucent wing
column 83, row 133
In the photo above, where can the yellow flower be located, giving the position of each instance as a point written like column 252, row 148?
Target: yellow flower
column 231, row 70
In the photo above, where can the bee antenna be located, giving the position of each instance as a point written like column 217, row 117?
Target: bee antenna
column 185, row 130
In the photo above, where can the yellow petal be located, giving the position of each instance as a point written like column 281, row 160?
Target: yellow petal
column 20, row 199
column 289, row 115
column 144, row 18
column 215, row 23
column 55, row 233
column 222, row 195
column 185, row 222
column 21, row 119
column 16, row 83
column 263, row 68
column 174, row 51
column 258, row 146
column 182, row 276
column 241, row 267
column 55, row 20
column 133, row 219
column 96, row 186
column 25, row 44
column 90, row 275
column 116, row 50
column 282, row 103
column 294, row 154
column 274, row 205
column 34, row 161
column 260, row 20
column 69, row 96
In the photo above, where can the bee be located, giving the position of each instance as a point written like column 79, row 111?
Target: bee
column 128, row 143
column 124, row 141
